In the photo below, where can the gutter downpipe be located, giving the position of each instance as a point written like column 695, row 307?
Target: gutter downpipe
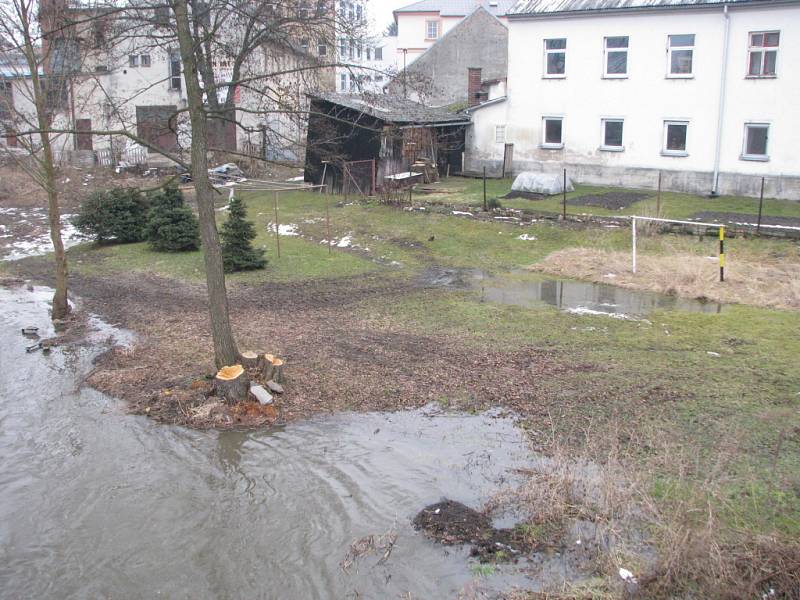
column 721, row 105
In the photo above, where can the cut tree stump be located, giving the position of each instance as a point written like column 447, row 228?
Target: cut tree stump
column 277, row 370
column 232, row 384
column 272, row 368
column 266, row 367
column 250, row 360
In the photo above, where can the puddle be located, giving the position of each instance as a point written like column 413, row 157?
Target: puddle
column 579, row 297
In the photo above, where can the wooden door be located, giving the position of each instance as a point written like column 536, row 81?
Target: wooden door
column 508, row 159
column 84, row 135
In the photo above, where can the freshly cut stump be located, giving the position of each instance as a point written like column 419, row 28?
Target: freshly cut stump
column 250, row 360
column 272, row 368
column 277, row 370
column 232, row 384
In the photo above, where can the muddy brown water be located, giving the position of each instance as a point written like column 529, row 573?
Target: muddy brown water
column 96, row 503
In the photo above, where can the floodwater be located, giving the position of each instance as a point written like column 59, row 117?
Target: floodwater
column 579, row 297
column 95, row 503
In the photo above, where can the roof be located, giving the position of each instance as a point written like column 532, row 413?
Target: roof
column 497, row 100
column 392, row 109
column 547, row 7
column 458, row 8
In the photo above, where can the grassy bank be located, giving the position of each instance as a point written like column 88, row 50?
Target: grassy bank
column 704, row 408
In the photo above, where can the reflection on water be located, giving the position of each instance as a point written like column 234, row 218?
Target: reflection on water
column 586, row 297
column 95, row 503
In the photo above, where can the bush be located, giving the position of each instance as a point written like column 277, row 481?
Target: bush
column 493, row 203
column 238, row 234
column 171, row 226
column 117, row 215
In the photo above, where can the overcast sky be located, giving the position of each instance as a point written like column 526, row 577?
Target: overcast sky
column 381, row 11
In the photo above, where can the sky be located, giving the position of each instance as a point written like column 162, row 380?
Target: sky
column 381, row 11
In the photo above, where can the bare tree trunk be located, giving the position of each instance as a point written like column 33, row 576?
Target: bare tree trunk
column 60, row 303
column 225, row 351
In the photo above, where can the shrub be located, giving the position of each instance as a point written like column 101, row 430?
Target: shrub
column 116, row 215
column 493, row 203
column 171, row 226
column 238, row 234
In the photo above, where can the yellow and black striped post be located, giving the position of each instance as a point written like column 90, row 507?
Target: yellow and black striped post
column 722, row 254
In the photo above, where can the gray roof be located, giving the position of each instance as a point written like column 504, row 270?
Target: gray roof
column 392, row 109
column 458, row 8
column 544, row 7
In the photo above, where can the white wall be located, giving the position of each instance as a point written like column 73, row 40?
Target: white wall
column 647, row 97
column 411, row 33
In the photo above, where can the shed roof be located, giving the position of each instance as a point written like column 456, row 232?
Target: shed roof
column 545, row 7
column 391, row 108
column 458, row 8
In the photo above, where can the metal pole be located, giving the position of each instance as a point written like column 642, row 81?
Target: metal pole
column 324, row 171
column 633, row 243
column 277, row 225
column 658, row 196
column 328, row 223
column 760, row 207
column 722, row 253
column 564, row 190
column 485, row 208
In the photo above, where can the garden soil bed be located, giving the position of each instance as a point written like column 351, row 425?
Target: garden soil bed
column 739, row 218
column 610, row 200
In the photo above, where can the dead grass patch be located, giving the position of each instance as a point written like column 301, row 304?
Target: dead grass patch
column 769, row 284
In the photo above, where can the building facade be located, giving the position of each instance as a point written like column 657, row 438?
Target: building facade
column 617, row 91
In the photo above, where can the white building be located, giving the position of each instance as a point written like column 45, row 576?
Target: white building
column 366, row 59
column 705, row 91
column 421, row 24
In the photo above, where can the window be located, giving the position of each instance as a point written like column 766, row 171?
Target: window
column 756, row 136
column 763, row 54
column 304, row 44
column 342, row 47
column 675, row 138
column 369, row 53
column 352, row 50
column 378, row 77
column 174, row 70
column 378, row 53
column 552, row 131
column 161, row 16
column 616, row 56
column 359, row 12
column 612, row 134
column 144, row 60
column 555, row 57
column 431, row 30
column 322, row 48
column 133, row 60
column 680, row 53
column 203, row 13
column 353, row 84
column 343, row 82
column 6, row 98
column 500, row 134
column 358, row 51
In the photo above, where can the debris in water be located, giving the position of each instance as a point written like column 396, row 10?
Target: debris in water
column 368, row 545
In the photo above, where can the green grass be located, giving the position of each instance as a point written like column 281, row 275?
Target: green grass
column 674, row 205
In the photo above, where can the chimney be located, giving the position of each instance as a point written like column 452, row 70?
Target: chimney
column 473, row 86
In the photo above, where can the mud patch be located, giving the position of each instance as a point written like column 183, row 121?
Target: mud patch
column 610, row 200
column 745, row 219
column 449, row 523
column 527, row 195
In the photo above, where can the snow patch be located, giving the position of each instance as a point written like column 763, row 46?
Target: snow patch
column 526, row 237
column 288, row 229
column 461, row 212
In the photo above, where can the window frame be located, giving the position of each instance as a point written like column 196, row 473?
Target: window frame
column 322, row 48
column 605, row 147
column 378, row 53
column 145, row 61
column 343, row 82
column 763, row 49
column 607, row 50
column 671, row 49
column 755, row 157
column 175, row 79
column 665, row 151
column 551, row 145
column 133, row 61
column 438, row 24
column 500, row 134
column 547, row 52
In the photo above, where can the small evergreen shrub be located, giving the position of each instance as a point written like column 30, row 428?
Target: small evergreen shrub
column 171, row 226
column 492, row 203
column 237, row 235
column 116, row 215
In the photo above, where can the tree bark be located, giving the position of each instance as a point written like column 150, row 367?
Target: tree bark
column 60, row 303
column 225, row 351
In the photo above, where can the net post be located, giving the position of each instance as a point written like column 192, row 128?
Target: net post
column 633, row 244
column 722, row 253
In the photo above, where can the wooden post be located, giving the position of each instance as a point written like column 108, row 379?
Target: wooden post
column 564, row 190
column 658, row 196
column 324, row 171
column 277, row 225
column 722, row 253
column 760, row 207
column 485, row 208
column 373, row 177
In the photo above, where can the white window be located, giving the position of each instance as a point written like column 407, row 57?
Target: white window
column 378, row 77
column 500, row 134
column 322, row 48
column 352, row 50
column 756, row 136
column 378, row 53
column 555, row 57
column 552, row 132
column 675, row 134
column 368, row 51
column 680, row 54
column 304, row 44
column 358, row 51
column 144, row 60
column 343, row 82
column 359, row 12
column 615, row 59
column 431, row 30
column 612, row 134
column 174, row 70
column 133, row 60
column 763, row 54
